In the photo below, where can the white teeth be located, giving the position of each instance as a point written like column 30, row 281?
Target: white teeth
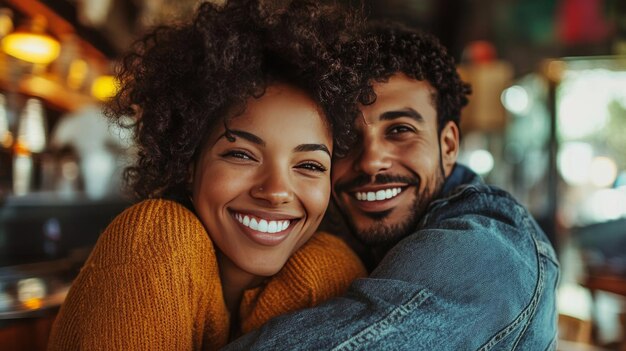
column 379, row 195
column 263, row 225
column 272, row 227
column 253, row 224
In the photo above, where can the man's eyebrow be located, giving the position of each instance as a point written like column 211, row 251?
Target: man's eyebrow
column 244, row 135
column 406, row 112
column 311, row 147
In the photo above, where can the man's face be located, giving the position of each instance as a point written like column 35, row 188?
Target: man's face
column 385, row 183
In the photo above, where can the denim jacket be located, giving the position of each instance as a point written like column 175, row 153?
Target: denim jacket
column 477, row 274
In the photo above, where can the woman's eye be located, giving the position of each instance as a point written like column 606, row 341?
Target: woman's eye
column 312, row 166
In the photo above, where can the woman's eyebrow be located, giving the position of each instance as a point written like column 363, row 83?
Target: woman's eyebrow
column 244, row 135
column 311, row 147
column 256, row 140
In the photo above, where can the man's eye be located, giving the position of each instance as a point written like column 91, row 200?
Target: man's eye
column 312, row 166
column 238, row 154
column 400, row 130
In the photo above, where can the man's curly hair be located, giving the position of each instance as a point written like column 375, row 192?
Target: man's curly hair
column 386, row 48
column 180, row 81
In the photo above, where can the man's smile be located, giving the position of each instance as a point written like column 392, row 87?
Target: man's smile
column 378, row 195
column 379, row 198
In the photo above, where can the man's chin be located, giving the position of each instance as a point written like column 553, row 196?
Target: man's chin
column 378, row 216
column 379, row 234
column 385, row 228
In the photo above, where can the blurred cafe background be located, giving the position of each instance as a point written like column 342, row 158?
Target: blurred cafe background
column 547, row 122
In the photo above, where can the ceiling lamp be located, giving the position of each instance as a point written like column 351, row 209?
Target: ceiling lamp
column 31, row 43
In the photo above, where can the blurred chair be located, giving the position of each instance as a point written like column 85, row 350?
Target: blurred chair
column 574, row 329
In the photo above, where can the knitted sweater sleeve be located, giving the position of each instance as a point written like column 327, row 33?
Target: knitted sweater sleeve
column 150, row 283
column 323, row 268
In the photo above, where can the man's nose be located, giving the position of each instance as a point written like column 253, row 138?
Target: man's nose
column 373, row 158
column 274, row 189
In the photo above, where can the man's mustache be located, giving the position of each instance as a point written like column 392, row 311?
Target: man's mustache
column 379, row 179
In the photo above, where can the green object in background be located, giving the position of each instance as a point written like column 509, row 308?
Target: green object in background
column 535, row 20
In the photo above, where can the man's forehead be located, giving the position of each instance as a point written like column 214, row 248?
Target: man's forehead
column 400, row 93
column 400, row 83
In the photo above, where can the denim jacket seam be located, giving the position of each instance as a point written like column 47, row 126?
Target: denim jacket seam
column 375, row 329
column 552, row 345
column 541, row 262
column 528, row 312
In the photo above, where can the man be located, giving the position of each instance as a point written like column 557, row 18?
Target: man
column 464, row 266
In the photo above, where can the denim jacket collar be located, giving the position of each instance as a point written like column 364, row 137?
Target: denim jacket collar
column 461, row 175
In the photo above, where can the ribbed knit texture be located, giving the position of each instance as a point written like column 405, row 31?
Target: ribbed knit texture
column 152, row 283
column 321, row 269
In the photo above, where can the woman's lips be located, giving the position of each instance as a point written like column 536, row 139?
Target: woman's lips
column 264, row 231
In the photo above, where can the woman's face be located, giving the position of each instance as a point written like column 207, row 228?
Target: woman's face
column 262, row 187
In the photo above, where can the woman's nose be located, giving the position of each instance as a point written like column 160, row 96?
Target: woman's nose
column 275, row 189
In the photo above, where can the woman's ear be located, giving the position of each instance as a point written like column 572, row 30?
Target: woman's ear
column 449, row 141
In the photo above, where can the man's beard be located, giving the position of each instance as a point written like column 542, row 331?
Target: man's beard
column 381, row 234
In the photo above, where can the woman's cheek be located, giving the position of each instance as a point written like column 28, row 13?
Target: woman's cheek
column 317, row 195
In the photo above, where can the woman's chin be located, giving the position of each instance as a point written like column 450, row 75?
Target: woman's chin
column 265, row 269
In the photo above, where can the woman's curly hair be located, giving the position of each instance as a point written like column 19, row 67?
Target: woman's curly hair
column 386, row 48
column 180, row 81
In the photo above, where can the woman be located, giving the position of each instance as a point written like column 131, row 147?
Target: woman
column 234, row 161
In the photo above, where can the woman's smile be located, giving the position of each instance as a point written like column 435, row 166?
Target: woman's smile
column 267, row 229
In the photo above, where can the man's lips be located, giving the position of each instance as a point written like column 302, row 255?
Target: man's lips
column 377, row 199
column 377, row 194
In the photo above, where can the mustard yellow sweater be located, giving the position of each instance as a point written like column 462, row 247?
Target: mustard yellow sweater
column 152, row 283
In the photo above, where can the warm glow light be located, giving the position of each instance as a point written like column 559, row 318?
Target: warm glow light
column 574, row 161
column 603, row 172
column 22, row 174
column 31, row 132
column 77, row 73
column 574, row 300
column 584, row 98
column 515, row 99
column 31, row 47
column 481, row 161
column 33, row 304
column 30, row 291
column 605, row 205
column 104, row 87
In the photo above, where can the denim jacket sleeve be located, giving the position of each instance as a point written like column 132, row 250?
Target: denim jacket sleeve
column 478, row 275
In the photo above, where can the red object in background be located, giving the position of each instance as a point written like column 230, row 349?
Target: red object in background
column 479, row 52
column 582, row 21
